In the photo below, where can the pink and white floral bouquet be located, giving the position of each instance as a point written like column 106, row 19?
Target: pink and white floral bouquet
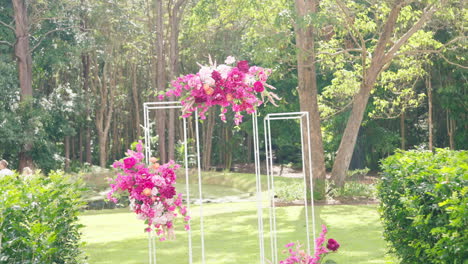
column 299, row 256
column 151, row 191
column 234, row 85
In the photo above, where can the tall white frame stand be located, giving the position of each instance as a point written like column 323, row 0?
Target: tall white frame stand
column 147, row 107
column 310, row 219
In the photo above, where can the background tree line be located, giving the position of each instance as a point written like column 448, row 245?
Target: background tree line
column 374, row 75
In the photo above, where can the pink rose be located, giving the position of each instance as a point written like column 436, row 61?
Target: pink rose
column 129, row 162
column 258, row 87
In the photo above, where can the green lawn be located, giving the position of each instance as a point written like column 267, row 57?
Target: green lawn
column 116, row 236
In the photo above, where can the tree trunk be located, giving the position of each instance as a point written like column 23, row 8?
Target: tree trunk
column 102, row 139
column 307, row 88
column 22, row 50
column 89, row 156
column 25, row 160
column 115, row 135
column 429, row 111
column 136, row 102
column 67, row 153
column 24, row 63
column 103, row 88
column 208, row 128
column 380, row 58
column 175, row 14
column 85, row 61
column 227, row 148
column 450, row 130
column 402, row 130
column 249, row 147
column 80, row 146
column 160, row 78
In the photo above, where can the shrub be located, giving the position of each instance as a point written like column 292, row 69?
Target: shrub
column 358, row 173
column 354, row 189
column 39, row 220
column 290, row 191
column 423, row 205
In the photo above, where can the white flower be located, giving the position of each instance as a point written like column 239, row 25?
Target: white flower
column 210, row 81
column 154, row 191
column 223, row 69
column 249, row 79
column 230, row 60
column 205, row 73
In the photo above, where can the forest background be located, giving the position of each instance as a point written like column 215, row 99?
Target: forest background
column 374, row 75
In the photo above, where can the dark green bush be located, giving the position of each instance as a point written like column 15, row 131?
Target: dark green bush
column 39, row 220
column 424, row 206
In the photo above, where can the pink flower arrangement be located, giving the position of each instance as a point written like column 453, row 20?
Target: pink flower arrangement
column 226, row 85
column 151, row 192
column 298, row 255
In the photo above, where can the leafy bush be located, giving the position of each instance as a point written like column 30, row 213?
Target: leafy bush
column 353, row 189
column 39, row 220
column 358, row 173
column 289, row 192
column 292, row 191
column 424, row 205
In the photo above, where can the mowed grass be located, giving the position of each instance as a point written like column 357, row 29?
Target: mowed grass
column 116, row 236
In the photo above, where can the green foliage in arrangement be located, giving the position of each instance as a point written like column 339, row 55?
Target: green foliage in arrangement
column 39, row 219
column 424, row 205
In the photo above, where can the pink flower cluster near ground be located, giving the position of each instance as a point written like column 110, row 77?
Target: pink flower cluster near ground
column 299, row 256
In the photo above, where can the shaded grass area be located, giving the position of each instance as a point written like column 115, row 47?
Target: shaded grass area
column 116, row 236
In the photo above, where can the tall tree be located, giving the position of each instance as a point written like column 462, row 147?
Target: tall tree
column 103, row 85
column 32, row 22
column 307, row 86
column 175, row 11
column 160, row 75
column 375, row 54
column 22, row 49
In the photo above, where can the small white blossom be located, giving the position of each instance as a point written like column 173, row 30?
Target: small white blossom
column 230, row 60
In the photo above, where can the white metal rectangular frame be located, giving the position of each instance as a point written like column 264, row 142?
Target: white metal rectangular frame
column 270, row 178
column 151, row 236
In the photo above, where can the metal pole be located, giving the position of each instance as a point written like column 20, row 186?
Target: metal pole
column 311, row 176
column 200, row 187
column 259, row 187
column 187, row 189
column 270, row 213
column 305, row 188
column 272, row 195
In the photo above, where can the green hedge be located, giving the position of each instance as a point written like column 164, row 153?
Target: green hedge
column 424, row 206
column 39, row 220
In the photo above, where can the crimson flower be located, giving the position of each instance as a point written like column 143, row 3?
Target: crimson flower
column 258, row 87
column 216, row 76
column 167, row 192
column 333, row 245
column 243, row 66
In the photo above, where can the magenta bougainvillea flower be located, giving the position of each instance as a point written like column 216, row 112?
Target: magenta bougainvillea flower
column 231, row 87
column 151, row 191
